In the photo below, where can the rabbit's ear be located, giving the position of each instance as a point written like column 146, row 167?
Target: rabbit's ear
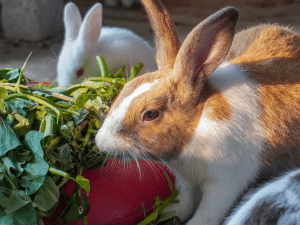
column 166, row 36
column 90, row 30
column 72, row 21
column 204, row 49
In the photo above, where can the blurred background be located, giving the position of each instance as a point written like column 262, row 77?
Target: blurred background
column 42, row 20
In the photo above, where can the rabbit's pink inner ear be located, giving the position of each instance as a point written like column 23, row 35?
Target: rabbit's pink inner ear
column 90, row 30
column 72, row 21
column 166, row 36
column 205, row 48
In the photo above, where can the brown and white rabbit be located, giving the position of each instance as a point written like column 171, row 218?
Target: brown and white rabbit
column 220, row 110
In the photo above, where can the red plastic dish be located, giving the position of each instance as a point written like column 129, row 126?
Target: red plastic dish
column 117, row 191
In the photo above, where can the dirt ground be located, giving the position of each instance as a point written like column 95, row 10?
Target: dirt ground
column 186, row 14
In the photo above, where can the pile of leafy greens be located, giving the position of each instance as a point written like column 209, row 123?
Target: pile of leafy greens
column 46, row 138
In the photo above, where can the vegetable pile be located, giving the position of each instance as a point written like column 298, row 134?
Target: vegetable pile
column 47, row 138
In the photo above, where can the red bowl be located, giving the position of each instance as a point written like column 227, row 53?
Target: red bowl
column 117, row 191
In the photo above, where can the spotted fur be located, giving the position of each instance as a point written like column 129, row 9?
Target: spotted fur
column 227, row 109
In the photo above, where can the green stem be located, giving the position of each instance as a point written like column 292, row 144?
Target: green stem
column 10, row 182
column 62, row 183
column 17, row 88
column 35, row 99
column 169, row 181
column 102, row 66
column 153, row 216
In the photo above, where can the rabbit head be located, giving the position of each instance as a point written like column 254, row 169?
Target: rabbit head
column 79, row 45
column 160, row 110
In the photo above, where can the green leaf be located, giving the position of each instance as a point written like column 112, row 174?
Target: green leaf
column 2, row 170
column 64, row 157
column 120, row 73
column 24, row 124
column 77, row 208
column 40, row 113
column 165, row 216
column 12, row 200
column 68, row 130
column 47, row 196
column 102, row 65
column 84, row 183
column 49, row 126
column 3, row 72
column 13, row 75
column 13, row 166
column 83, row 98
column 3, row 95
column 21, row 106
column 135, row 70
column 98, row 104
column 8, row 138
column 24, row 216
column 36, row 170
column 83, row 114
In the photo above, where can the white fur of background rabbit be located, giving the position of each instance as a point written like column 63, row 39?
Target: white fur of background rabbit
column 82, row 44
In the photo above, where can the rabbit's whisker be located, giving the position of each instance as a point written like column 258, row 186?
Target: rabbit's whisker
column 137, row 163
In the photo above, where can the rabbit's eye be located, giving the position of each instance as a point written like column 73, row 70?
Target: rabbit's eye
column 150, row 115
column 80, row 72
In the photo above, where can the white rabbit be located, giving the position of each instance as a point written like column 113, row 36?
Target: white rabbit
column 221, row 109
column 277, row 202
column 82, row 44
column 114, row 3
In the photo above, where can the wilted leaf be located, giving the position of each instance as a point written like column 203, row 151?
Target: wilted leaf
column 47, row 195
column 12, row 200
column 13, row 166
column 65, row 157
column 83, row 114
column 24, row 216
column 68, row 130
column 21, row 106
column 2, row 170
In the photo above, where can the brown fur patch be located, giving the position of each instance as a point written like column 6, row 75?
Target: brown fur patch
column 133, row 84
column 167, row 40
column 273, row 58
column 220, row 107
column 177, row 120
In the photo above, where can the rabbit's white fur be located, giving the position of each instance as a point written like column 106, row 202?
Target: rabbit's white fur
column 223, row 108
column 276, row 202
column 83, row 42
